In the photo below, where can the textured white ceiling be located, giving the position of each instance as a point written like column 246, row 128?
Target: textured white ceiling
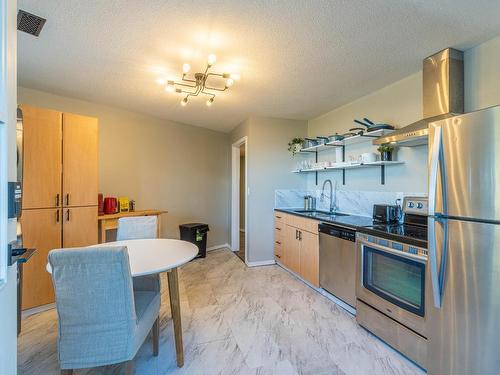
column 297, row 58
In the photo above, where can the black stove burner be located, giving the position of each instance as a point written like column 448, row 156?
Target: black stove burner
column 406, row 233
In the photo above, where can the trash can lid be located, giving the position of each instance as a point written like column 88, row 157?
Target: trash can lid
column 194, row 225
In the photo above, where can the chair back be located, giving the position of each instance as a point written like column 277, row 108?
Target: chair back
column 95, row 305
column 137, row 227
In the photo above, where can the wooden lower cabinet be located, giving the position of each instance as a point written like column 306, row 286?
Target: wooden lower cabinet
column 42, row 231
column 297, row 248
column 79, row 226
column 291, row 250
column 309, row 257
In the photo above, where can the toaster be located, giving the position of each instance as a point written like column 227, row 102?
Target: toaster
column 385, row 213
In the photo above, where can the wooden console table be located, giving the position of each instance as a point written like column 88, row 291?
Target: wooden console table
column 109, row 222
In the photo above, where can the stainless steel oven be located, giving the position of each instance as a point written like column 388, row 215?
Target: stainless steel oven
column 391, row 278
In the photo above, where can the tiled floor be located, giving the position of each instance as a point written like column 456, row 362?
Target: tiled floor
column 239, row 320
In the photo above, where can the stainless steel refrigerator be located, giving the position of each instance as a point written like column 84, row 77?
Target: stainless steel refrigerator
column 463, row 288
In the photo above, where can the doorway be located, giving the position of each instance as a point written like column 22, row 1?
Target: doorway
column 241, row 250
column 239, row 208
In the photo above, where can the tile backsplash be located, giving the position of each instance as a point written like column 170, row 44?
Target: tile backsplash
column 350, row 202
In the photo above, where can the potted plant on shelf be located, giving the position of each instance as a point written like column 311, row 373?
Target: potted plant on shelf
column 386, row 152
column 295, row 145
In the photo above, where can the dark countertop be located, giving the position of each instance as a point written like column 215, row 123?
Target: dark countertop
column 344, row 220
column 362, row 224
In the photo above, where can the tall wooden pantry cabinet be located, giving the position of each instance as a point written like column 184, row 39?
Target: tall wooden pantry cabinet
column 59, row 203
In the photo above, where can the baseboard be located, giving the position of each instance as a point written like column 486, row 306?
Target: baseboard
column 262, row 263
column 216, row 247
column 36, row 310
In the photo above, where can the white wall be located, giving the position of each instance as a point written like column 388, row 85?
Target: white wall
column 400, row 104
column 482, row 75
column 160, row 164
column 8, row 293
column 269, row 164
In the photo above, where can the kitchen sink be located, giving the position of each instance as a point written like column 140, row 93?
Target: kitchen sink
column 320, row 214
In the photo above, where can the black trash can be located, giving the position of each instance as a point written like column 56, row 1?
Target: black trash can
column 196, row 233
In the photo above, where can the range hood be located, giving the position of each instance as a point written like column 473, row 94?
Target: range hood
column 442, row 95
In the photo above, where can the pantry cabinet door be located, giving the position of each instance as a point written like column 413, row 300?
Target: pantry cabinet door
column 41, row 157
column 80, row 157
column 41, row 231
column 79, row 226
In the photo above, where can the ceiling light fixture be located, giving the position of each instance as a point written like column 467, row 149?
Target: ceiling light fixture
column 198, row 85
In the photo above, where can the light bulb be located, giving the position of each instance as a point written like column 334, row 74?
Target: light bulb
column 186, row 68
column 169, row 88
column 209, row 102
column 212, row 59
column 235, row 76
column 184, row 102
column 161, row 81
column 229, row 82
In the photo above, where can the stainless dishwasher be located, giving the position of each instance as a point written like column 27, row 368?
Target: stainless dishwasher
column 337, row 262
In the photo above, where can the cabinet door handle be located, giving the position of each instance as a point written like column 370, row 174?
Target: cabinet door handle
column 278, row 256
column 279, row 243
column 67, row 199
column 67, row 215
column 278, row 217
column 57, row 200
column 300, row 235
column 296, row 234
column 278, row 228
column 57, row 216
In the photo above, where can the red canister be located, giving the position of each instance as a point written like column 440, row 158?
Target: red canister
column 110, row 205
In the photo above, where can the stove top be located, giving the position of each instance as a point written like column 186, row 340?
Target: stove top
column 353, row 221
column 406, row 233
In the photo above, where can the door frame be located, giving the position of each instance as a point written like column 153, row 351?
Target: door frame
column 235, row 195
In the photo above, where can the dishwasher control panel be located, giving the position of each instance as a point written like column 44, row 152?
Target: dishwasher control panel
column 339, row 232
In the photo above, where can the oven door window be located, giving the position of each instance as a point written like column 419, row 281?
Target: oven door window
column 398, row 280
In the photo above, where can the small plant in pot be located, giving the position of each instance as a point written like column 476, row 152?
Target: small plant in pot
column 295, row 145
column 386, row 152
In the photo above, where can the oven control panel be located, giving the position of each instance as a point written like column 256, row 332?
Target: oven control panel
column 416, row 205
column 394, row 245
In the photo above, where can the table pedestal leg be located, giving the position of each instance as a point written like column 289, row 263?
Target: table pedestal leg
column 175, row 306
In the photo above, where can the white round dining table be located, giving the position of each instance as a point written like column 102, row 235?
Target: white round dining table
column 154, row 256
column 151, row 256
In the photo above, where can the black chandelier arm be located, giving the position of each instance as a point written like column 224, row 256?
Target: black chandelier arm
column 207, row 93
column 185, row 84
column 187, row 79
column 215, row 74
column 215, row 88
column 196, row 93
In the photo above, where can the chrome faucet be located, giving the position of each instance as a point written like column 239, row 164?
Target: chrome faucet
column 333, row 205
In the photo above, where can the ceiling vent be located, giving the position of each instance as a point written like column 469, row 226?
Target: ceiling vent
column 29, row 23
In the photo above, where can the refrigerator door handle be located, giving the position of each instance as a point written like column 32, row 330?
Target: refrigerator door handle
column 437, row 277
column 437, row 162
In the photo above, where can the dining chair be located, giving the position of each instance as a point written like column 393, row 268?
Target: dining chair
column 104, row 316
column 137, row 227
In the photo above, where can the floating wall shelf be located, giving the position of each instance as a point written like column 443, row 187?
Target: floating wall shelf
column 366, row 137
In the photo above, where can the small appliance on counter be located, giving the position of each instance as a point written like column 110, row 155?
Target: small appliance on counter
column 309, row 203
column 110, row 205
column 386, row 213
column 123, row 204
